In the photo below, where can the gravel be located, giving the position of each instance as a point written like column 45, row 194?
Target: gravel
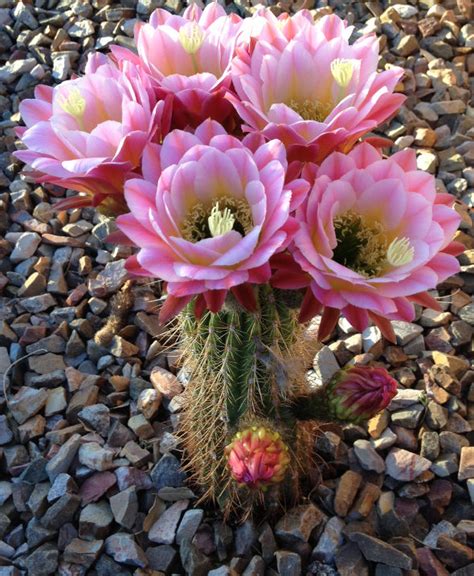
column 91, row 479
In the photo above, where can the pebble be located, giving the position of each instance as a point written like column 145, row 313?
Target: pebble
column 123, row 548
column 95, row 457
column 325, row 366
column 368, row 457
column 404, row 465
column 298, row 523
column 163, row 530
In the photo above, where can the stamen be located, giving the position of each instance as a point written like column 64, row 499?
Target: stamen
column 220, row 222
column 400, row 252
column 74, row 104
column 361, row 246
column 191, row 37
column 311, row 109
column 342, row 70
column 205, row 221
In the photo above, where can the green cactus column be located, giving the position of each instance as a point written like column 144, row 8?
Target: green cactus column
column 239, row 377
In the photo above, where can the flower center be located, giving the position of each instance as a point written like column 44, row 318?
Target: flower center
column 311, row 109
column 364, row 247
column 191, row 37
column 226, row 214
column 74, row 104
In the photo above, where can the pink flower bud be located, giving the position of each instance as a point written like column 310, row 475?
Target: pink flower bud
column 257, row 457
column 360, row 392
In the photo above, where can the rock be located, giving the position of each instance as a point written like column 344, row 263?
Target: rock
column 96, row 417
column 430, row 445
column 165, row 382
column 188, row 525
column 26, row 403
column 466, row 464
column 161, row 558
column 46, row 363
column 63, row 458
column 365, row 501
column 26, row 244
column 406, row 331
column 404, row 465
column 95, row 457
column 167, row 473
column 288, row 563
column 5, row 491
column 95, row 520
column 149, row 403
column 298, row 523
column 406, row 45
column 129, row 476
column 96, row 486
column 346, row 491
column 408, row 418
column 164, row 529
column 376, row 550
column 350, row 562
column 56, row 402
column 43, row 561
column 329, row 541
column 325, row 365
column 124, row 507
column 443, row 527
column 63, row 484
column 61, row 512
column 245, row 539
column 83, row 552
column 123, row 548
column 6, row 434
column 452, row 553
column 368, row 457
column 140, row 425
column 135, row 454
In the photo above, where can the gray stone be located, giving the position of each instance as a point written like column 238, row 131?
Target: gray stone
column 6, row 435
column 43, row 561
column 5, row 491
column 95, row 457
column 124, row 506
column 123, row 548
column 63, row 458
column 161, row 558
column 288, row 563
column 61, row 511
column 405, row 331
column 188, row 525
column 376, row 550
column 163, row 530
column 95, row 521
column 83, row 552
column 298, row 523
column 368, row 457
column 330, row 540
column 167, row 472
column 245, row 539
column 26, row 403
column 25, row 246
column 325, row 365
column 409, row 417
column 96, row 417
column 63, row 484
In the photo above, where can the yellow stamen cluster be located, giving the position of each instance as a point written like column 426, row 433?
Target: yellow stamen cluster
column 191, row 37
column 342, row 70
column 364, row 244
column 311, row 109
column 400, row 252
column 208, row 221
column 220, row 221
column 74, row 104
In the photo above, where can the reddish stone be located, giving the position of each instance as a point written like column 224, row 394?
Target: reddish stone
column 96, row 486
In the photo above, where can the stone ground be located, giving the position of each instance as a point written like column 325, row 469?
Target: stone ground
column 89, row 475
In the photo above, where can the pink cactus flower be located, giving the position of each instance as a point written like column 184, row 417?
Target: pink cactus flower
column 257, row 457
column 209, row 215
column 89, row 133
column 189, row 56
column 360, row 392
column 302, row 82
column 374, row 236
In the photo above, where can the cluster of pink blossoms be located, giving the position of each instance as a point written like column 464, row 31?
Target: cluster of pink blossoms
column 229, row 149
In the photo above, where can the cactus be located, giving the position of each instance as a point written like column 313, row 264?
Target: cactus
column 244, row 368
